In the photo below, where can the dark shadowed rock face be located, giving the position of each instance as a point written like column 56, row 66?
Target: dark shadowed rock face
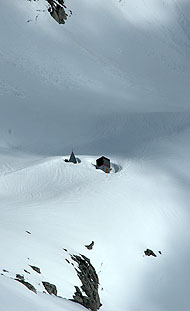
column 57, row 10
column 51, row 288
column 36, row 269
column 90, row 246
column 20, row 277
column 149, row 252
column 90, row 283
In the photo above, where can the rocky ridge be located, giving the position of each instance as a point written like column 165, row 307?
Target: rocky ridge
column 90, row 283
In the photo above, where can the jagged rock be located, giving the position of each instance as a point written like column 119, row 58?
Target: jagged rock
column 20, row 277
column 28, row 285
column 35, row 269
column 90, row 246
column 90, row 283
column 57, row 10
column 51, row 288
column 149, row 252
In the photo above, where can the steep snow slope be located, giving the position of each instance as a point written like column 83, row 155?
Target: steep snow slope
column 113, row 80
column 106, row 59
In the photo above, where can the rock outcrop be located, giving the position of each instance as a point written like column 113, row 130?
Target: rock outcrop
column 51, row 288
column 36, row 269
column 90, row 246
column 90, row 283
column 20, row 277
column 149, row 252
column 57, row 10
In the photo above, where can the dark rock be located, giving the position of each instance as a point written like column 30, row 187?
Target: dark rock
column 20, row 277
column 65, row 249
column 160, row 252
column 90, row 246
column 4, row 270
column 28, row 232
column 51, row 288
column 26, row 271
column 57, row 10
column 35, row 269
column 28, row 285
column 149, row 252
column 90, row 283
column 67, row 260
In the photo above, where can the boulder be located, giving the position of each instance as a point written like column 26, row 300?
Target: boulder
column 149, row 252
column 36, row 269
column 51, row 288
column 20, row 277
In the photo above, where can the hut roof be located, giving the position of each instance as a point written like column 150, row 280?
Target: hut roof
column 72, row 158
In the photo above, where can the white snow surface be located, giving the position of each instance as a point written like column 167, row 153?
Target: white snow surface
column 114, row 81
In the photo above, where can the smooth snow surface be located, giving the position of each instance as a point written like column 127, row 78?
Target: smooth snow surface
column 114, row 81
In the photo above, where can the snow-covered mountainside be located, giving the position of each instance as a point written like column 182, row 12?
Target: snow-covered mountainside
column 112, row 80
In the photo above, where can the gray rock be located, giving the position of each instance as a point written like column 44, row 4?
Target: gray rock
column 90, row 284
column 51, row 288
column 20, row 277
column 90, row 246
column 35, row 269
column 149, row 252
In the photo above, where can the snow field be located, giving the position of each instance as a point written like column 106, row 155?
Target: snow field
column 113, row 81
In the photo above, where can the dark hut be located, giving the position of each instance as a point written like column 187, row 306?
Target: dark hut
column 73, row 158
column 103, row 164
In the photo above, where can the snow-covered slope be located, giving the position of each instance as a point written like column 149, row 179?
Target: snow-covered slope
column 113, row 80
